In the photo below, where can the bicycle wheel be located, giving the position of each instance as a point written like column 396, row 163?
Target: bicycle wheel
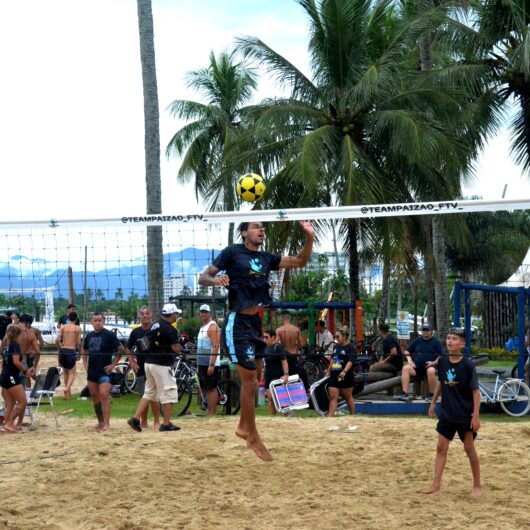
column 314, row 371
column 228, row 402
column 514, row 398
column 185, row 394
column 130, row 381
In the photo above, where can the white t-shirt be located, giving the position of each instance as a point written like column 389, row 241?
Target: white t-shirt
column 325, row 339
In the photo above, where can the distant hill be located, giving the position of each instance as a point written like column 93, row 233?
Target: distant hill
column 27, row 274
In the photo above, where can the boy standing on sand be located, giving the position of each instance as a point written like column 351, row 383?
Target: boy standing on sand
column 460, row 406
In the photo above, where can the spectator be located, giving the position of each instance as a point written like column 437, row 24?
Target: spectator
column 425, row 349
column 392, row 361
column 276, row 365
column 63, row 319
column 324, row 339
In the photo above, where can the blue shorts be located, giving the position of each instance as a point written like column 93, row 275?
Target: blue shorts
column 241, row 339
column 67, row 358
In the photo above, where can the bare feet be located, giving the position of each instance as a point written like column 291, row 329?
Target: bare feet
column 105, row 428
column 259, row 448
column 18, row 427
column 156, row 427
column 242, row 433
column 144, row 425
column 429, row 490
column 477, row 492
column 97, row 428
column 11, row 429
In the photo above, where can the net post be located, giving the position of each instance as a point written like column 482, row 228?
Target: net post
column 311, row 323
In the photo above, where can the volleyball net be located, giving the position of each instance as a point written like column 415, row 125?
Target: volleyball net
column 104, row 261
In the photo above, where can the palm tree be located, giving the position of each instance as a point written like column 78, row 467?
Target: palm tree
column 155, row 265
column 209, row 142
column 503, row 36
column 366, row 120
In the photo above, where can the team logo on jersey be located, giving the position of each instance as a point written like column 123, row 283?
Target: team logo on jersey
column 256, row 267
column 451, row 377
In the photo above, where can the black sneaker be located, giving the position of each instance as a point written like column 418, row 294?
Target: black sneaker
column 168, row 427
column 134, row 424
column 429, row 397
column 404, row 397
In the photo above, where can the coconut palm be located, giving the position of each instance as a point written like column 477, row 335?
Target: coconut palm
column 208, row 142
column 155, row 266
column 364, row 122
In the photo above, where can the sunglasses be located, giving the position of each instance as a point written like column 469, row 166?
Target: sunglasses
column 426, row 329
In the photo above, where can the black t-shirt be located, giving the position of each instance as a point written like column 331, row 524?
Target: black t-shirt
column 8, row 366
column 458, row 381
column 389, row 343
column 424, row 351
column 63, row 319
column 134, row 337
column 274, row 355
column 101, row 347
column 341, row 356
column 248, row 271
column 162, row 336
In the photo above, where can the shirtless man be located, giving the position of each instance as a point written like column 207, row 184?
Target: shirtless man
column 29, row 344
column 68, row 344
column 289, row 336
column 34, row 357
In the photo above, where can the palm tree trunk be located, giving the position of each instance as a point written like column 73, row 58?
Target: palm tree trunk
column 385, row 290
column 441, row 293
column 430, row 308
column 155, row 264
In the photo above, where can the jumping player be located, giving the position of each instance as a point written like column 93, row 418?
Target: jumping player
column 460, row 407
column 246, row 278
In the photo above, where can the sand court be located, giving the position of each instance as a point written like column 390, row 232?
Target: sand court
column 204, row 477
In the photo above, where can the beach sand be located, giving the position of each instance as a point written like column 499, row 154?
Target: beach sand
column 204, row 477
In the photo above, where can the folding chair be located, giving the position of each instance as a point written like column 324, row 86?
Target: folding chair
column 45, row 384
column 288, row 396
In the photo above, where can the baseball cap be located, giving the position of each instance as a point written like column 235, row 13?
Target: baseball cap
column 205, row 307
column 426, row 326
column 169, row 309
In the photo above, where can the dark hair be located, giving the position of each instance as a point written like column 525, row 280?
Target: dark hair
column 243, row 227
column 321, row 323
column 72, row 316
column 459, row 332
column 26, row 318
column 8, row 313
column 384, row 327
column 12, row 332
column 270, row 332
column 71, row 306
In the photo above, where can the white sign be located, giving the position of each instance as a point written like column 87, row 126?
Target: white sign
column 402, row 323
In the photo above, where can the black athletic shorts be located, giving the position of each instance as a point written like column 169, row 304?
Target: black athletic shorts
column 8, row 380
column 67, row 358
column 347, row 382
column 241, row 338
column 448, row 429
column 208, row 381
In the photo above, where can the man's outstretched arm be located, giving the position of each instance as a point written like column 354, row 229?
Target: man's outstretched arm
column 290, row 262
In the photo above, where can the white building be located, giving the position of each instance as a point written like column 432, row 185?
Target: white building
column 174, row 285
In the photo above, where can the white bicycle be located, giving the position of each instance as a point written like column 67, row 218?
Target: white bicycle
column 511, row 394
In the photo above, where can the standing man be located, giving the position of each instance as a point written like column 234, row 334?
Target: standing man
column 425, row 349
column 99, row 348
column 29, row 346
column 247, row 280
column 289, row 336
column 324, row 339
column 68, row 344
column 160, row 385
column 208, row 358
column 459, row 411
column 63, row 319
column 392, row 361
column 136, row 359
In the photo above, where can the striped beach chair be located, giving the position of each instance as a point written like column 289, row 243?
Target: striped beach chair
column 288, row 396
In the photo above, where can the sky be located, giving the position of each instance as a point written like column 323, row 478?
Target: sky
column 71, row 105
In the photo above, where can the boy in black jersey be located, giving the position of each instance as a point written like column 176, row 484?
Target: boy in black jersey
column 247, row 280
column 460, row 408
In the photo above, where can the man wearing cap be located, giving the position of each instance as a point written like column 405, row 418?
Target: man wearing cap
column 208, row 358
column 246, row 276
column 160, row 385
column 425, row 349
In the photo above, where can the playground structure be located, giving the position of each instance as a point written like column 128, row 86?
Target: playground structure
column 519, row 297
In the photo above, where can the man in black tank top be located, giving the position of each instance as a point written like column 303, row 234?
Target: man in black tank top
column 246, row 276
